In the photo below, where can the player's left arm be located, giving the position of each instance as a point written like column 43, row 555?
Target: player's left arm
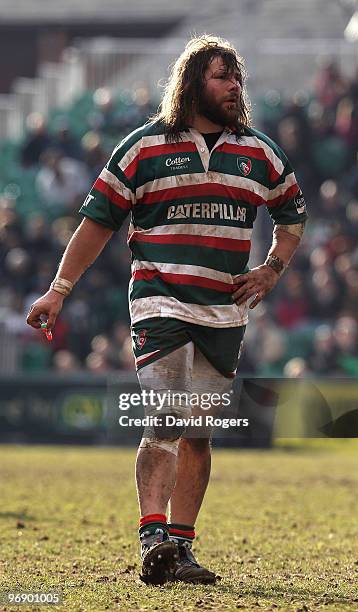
column 287, row 208
column 261, row 280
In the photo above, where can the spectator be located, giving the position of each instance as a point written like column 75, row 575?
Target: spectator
column 346, row 337
column 94, row 154
column 330, row 85
column 64, row 141
column 295, row 368
column 36, row 142
column 65, row 362
column 61, row 180
column 322, row 359
column 292, row 307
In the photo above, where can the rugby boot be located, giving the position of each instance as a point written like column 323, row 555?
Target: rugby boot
column 159, row 557
column 189, row 570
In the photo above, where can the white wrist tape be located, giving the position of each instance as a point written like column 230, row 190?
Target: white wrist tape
column 61, row 285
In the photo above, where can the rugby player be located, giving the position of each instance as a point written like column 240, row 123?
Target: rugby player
column 192, row 179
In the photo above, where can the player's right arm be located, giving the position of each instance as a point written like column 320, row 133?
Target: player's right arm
column 105, row 208
column 83, row 249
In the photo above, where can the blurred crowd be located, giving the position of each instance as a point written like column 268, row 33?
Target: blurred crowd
column 307, row 326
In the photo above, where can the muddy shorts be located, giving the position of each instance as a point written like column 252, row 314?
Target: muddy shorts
column 176, row 359
column 155, row 338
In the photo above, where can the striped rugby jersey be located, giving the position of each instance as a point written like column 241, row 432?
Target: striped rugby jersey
column 192, row 213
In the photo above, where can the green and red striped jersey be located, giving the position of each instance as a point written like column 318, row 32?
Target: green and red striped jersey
column 192, row 214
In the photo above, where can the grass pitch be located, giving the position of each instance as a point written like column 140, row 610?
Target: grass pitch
column 279, row 526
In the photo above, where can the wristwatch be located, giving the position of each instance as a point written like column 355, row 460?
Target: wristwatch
column 275, row 263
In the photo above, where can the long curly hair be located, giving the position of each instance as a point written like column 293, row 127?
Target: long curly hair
column 186, row 83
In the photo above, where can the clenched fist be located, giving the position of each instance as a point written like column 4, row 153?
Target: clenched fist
column 258, row 282
column 49, row 305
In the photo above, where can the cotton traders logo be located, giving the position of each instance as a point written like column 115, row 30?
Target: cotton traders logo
column 178, row 163
column 300, row 202
column 141, row 339
column 244, row 165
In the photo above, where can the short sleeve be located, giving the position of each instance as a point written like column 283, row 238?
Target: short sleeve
column 285, row 202
column 111, row 196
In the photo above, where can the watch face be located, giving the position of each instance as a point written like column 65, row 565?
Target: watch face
column 275, row 263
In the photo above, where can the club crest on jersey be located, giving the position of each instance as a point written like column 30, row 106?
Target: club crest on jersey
column 244, row 164
column 141, row 338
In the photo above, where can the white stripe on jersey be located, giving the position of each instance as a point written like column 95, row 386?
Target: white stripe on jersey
column 198, row 229
column 168, row 268
column 210, row 316
column 290, row 180
column 203, row 178
column 110, row 179
column 129, row 156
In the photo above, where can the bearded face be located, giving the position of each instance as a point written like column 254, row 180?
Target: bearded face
column 219, row 100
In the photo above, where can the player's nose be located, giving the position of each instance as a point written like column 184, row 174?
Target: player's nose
column 233, row 84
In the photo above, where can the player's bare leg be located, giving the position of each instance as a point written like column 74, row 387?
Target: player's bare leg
column 156, row 473
column 193, row 473
column 155, row 476
column 156, row 466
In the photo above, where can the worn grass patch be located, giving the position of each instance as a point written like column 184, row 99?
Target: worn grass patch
column 279, row 526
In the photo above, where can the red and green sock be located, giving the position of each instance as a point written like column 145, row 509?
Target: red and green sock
column 183, row 535
column 153, row 529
